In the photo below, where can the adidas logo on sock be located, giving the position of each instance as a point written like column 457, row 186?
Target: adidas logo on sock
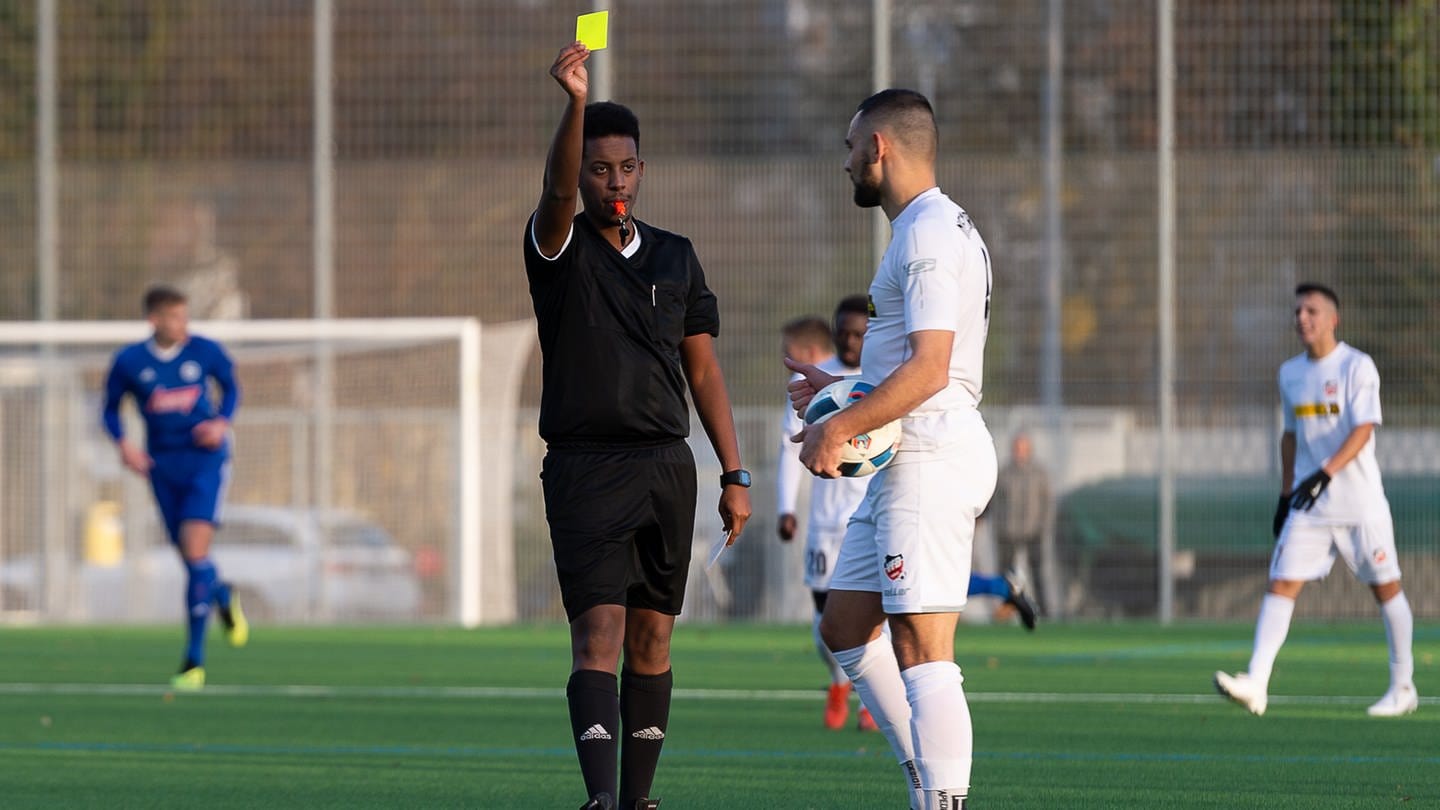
column 651, row 733
column 595, row 732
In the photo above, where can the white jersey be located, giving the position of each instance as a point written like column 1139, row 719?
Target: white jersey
column 832, row 500
column 1324, row 401
column 935, row 275
column 911, row 539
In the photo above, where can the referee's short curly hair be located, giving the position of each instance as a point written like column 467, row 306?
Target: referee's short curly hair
column 605, row 118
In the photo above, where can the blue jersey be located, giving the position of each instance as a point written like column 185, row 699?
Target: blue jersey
column 173, row 393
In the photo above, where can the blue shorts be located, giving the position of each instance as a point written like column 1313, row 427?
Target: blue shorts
column 189, row 485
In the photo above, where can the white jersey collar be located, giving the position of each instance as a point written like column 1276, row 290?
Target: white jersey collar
column 166, row 355
column 631, row 249
column 914, row 205
column 1338, row 351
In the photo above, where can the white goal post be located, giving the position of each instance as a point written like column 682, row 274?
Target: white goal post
column 379, row 437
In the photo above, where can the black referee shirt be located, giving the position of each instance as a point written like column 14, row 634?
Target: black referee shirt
column 610, row 331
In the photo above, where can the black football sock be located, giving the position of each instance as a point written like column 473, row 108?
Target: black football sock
column 595, row 719
column 645, row 713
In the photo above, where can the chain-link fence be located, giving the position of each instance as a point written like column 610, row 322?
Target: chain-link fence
column 1307, row 147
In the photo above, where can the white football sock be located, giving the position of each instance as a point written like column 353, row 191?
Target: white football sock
column 940, row 723
column 837, row 673
column 1399, row 628
column 876, row 675
column 1270, row 631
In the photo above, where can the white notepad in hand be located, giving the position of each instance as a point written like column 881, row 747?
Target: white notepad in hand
column 717, row 547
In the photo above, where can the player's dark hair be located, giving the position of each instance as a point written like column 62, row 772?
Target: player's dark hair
column 808, row 330
column 906, row 115
column 604, row 118
column 1312, row 287
column 852, row 305
column 160, row 296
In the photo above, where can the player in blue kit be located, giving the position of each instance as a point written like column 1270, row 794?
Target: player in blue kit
column 187, row 454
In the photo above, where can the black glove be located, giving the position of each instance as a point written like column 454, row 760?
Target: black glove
column 1307, row 492
column 1282, row 511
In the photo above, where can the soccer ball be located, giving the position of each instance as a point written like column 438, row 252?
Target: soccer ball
column 863, row 454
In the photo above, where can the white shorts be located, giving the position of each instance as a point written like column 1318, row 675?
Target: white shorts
column 1307, row 548
column 910, row 540
column 822, row 547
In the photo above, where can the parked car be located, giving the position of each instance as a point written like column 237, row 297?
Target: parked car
column 289, row 565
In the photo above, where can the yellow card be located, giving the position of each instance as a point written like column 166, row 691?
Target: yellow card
column 593, row 29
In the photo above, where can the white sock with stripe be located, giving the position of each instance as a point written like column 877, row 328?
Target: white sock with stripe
column 876, row 675
column 940, row 723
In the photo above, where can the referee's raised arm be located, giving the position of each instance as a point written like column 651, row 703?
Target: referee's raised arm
column 562, row 167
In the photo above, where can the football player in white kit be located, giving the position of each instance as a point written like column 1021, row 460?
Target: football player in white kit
column 1331, row 398
column 832, row 501
column 906, row 552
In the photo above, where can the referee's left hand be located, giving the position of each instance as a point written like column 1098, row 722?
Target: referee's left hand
column 734, row 510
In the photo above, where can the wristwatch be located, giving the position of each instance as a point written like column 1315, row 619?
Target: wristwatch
column 741, row 477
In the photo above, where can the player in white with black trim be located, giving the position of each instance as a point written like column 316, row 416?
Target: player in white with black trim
column 1331, row 399
column 906, row 553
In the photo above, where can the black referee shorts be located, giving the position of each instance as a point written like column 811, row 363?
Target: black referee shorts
column 621, row 523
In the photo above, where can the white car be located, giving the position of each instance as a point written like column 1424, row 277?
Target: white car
column 289, row 565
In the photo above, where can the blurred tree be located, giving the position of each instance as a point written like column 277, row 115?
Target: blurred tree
column 1385, row 73
column 1385, row 98
column 173, row 79
column 17, row 80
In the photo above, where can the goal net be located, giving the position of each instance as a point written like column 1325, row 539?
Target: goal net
column 371, row 474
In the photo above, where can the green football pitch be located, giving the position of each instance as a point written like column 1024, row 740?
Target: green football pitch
column 1087, row 716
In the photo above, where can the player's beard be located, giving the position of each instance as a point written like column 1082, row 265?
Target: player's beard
column 867, row 192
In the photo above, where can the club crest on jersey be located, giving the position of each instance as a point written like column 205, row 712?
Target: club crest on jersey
column 894, row 566
column 190, row 371
column 1331, row 388
column 173, row 400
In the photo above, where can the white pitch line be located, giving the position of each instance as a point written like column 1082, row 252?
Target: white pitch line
column 772, row 695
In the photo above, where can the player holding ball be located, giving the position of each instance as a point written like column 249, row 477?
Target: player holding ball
column 906, row 552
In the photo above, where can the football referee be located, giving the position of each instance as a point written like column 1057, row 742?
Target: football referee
column 625, row 323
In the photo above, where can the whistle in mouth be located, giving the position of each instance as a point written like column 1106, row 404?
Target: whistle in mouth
column 622, row 215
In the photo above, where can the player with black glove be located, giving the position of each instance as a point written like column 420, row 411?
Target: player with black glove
column 1330, row 404
column 1282, row 511
column 1307, row 492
